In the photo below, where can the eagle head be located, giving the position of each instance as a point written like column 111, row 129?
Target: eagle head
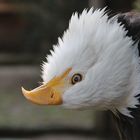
column 94, row 65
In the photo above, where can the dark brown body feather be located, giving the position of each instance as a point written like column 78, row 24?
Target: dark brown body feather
column 129, row 128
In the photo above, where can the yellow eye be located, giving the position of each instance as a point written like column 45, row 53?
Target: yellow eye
column 76, row 78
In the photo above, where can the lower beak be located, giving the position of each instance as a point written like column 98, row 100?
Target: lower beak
column 50, row 93
column 43, row 95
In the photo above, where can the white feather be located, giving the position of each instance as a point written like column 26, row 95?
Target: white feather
column 98, row 48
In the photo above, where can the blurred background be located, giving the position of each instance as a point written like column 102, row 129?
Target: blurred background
column 28, row 29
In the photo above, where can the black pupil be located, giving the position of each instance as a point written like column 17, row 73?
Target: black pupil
column 77, row 78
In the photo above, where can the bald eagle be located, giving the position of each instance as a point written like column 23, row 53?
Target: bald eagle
column 95, row 65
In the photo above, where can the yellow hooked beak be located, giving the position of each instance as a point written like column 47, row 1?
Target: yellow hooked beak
column 50, row 93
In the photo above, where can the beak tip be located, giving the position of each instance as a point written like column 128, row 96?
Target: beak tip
column 24, row 91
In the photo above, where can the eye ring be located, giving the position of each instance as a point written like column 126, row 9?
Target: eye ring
column 76, row 78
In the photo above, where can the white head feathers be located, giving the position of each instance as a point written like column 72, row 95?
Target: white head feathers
column 98, row 48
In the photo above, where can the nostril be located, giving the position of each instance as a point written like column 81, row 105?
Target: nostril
column 52, row 95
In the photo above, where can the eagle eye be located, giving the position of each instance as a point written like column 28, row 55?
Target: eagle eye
column 76, row 78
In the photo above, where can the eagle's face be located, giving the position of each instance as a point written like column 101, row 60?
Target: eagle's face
column 93, row 65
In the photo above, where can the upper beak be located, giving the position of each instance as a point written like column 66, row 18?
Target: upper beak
column 43, row 95
column 48, row 94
